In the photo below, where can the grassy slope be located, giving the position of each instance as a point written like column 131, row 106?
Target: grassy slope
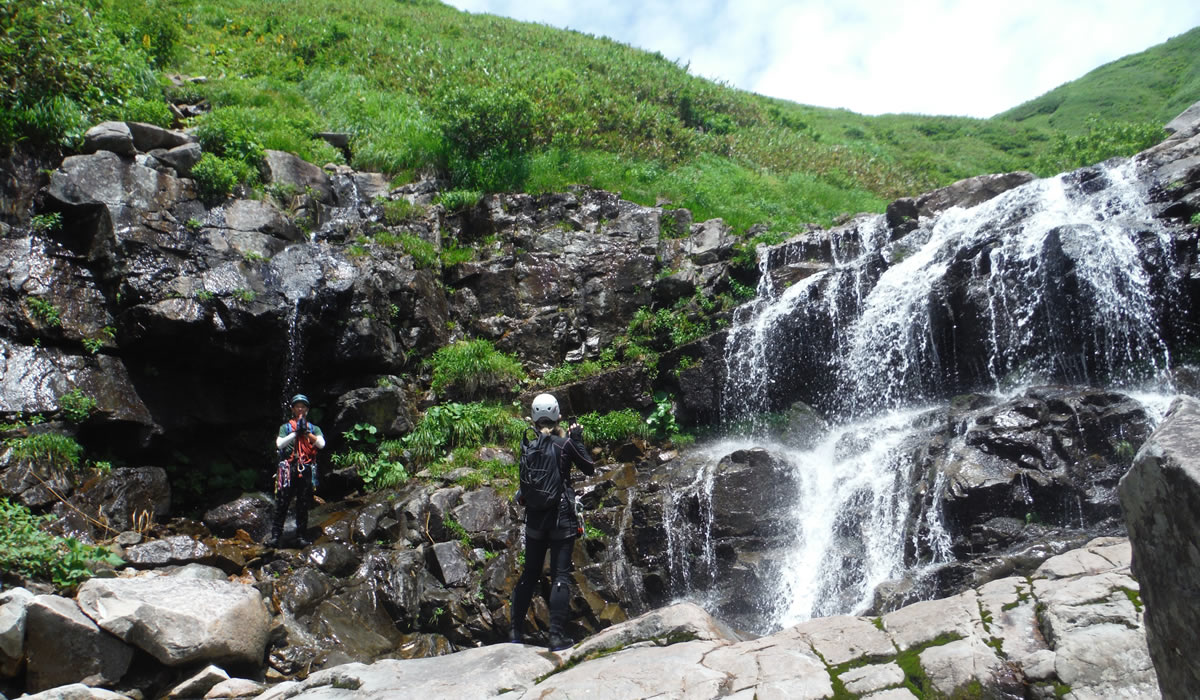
column 599, row 112
column 1154, row 85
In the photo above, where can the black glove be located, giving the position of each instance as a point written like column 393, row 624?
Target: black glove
column 576, row 432
column 301, row 427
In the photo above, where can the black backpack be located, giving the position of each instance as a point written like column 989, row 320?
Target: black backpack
column 541, row 480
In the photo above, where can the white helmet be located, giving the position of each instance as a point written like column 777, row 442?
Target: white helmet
column 545, row 407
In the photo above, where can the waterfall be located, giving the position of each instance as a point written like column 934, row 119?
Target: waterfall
column 1049, row 281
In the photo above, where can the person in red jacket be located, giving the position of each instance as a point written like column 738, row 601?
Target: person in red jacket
column 298, row 443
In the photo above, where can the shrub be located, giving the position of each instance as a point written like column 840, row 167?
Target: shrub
column 473, row 366
column 140, row 109
column 28, row 550
column 453, row 425
column 48, row 449
column 214, row 177
column 614, row 426
column 487, row 133
column 76, row 405
column 1102, row 140
column 226, row 132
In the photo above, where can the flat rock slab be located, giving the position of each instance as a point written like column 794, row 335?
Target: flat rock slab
column 841, row 639
column 674, row 671
column 474, row 673
column 921, row 623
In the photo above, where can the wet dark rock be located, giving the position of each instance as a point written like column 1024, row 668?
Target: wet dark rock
column 181, row 158
column 388, row 408
column 251, row 514
column 109, row 136
column 299, row 593
column 286, row 169
column 482, row 510
column 970, row 192
column 125, row 499
column 333, row 558
column 177, row 549
column 449, row 563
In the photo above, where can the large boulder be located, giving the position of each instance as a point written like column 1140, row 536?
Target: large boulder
column 62, row 645
column 1161, row 497
column 13, row 606
column 181, row 621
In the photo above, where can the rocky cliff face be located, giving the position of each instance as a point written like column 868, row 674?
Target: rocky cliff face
column 190, row 322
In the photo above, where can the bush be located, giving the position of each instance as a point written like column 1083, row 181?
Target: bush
column 473, row 366
column 1103, row 140
column 487, row 133
column 215, row 178
column 458, row 200
column 76, row 405
column 139, row 109
column 614, row 426
column 567, row 373
column 454, row 425
column 226, row 132
column 27, row 550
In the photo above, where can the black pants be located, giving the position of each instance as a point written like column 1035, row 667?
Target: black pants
column 560, row 579
column 300, row 488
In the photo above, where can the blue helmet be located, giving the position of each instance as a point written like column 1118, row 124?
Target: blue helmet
column 300, row 398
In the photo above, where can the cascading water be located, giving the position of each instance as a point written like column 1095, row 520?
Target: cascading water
column 1046, row 282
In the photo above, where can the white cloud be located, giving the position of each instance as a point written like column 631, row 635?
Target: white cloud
column 875, row 56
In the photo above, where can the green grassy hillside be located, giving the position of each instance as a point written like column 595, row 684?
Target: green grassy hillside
column 491, row 104
column 1152, row 86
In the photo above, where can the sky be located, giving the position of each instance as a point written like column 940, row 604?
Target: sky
column 951, row 57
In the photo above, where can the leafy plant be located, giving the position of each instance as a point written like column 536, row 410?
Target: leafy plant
column 361, row 434
column 474, row 366
column 44, row 223
column 44, row 311
column 662, row 419
column 244, row 295
column 457, row 530
column 452, row 425
column 204, row 295
column 574, row 372
column 52, row 450
column 76, row 405
column 214, row 177
column 613, row 427
column 398, row 211
column 28, row 550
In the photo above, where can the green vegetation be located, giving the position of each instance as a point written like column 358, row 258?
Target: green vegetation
column 662, row 419
column 51, row 450
column 28, row 550
column 45, row 222
column 380, row 466
column 76, row 406
column 574, row 372
column 215, row 178
column 1100, row 141
column 495, row 104
column 613, row 427
column 474, row 367
column 1151, row 86
column 44, row 311
column 455, row 425
column 457, row 531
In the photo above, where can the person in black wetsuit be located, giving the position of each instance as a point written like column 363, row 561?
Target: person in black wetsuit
column 551, row 530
